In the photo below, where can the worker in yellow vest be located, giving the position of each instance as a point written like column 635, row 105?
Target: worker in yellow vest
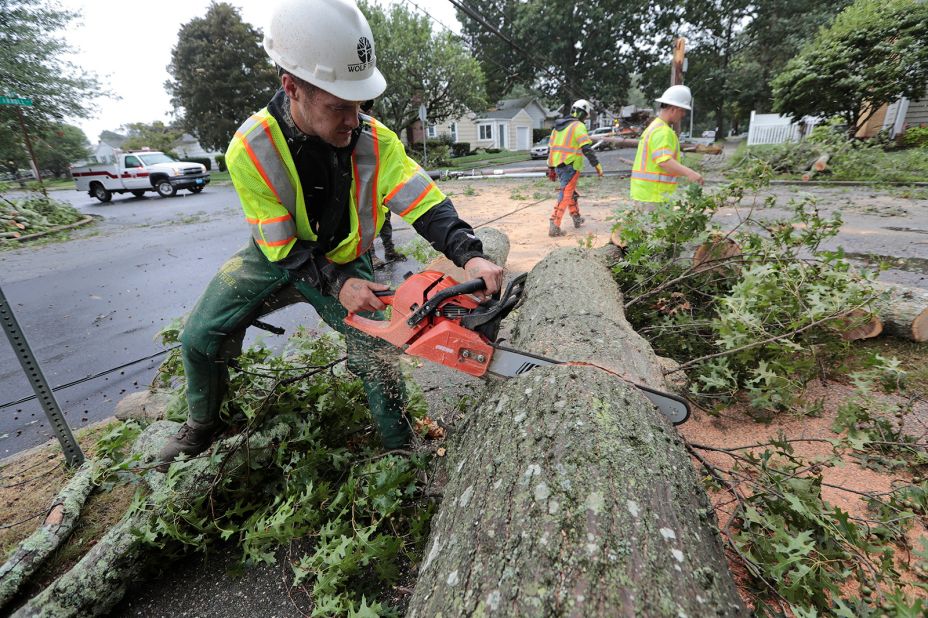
column 568, row 144
column 315, row 179
column 657, row 162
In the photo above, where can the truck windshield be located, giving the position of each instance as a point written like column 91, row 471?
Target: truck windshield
column 151, row 159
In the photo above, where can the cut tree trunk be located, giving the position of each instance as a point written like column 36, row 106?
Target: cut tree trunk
column 59, row 522
column 569, row 494
column 859, row 324
column 819, row 165
column 904, row 312
column 96, row 583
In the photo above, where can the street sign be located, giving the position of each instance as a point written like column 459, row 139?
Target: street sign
column 20, row 101
column 422, row 112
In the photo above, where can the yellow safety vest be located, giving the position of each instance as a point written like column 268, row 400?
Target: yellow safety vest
column 650, row 183
column 565, row 146
column 268, row 186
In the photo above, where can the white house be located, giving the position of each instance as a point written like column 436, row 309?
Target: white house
column 507, row 126
column 188, row 146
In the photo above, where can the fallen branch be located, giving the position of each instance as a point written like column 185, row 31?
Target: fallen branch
column 60, row 520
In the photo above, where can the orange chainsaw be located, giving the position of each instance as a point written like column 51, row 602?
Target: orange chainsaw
column 436, row 318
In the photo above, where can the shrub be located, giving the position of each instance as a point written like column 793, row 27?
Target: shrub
column 221, row 163
column 205, row 161
column 916, row 137
column 460, row 149
column 493, row 150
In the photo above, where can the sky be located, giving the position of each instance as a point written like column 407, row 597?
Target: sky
column 128, row 44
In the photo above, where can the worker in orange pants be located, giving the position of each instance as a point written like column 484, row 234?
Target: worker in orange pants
column 568, row 144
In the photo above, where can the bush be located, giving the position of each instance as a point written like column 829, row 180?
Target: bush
column 221, row 163
column 493, row 150
column 205, row 161
column 915, row 137
column 439, row 154
column 461, row 149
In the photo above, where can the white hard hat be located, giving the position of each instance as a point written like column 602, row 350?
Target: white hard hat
column 678, row 96
column 583, row 105
column 327, row 43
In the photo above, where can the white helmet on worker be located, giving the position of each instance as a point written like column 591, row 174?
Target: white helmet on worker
column 581, row 105
column 327, row 43
column 678, row 96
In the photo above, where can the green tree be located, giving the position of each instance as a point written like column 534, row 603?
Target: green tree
column 777, row 33
column 873, row 53
column 499, row 53
column 422, row 67
column 155, row 136
column 32, row 65
column 58, row 146
column 220, row 74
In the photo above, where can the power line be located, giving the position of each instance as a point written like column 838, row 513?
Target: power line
column 90, row 377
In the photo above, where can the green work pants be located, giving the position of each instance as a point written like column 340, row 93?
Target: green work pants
column 243, row 289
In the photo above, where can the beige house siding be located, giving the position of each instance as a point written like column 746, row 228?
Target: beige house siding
column 917, row 114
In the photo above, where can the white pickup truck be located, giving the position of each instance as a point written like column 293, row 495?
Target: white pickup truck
column 138, row 172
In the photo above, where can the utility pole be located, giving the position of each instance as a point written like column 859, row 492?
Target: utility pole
column 677, row 69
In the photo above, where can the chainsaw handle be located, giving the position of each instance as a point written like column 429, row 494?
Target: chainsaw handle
column 385, row 295
column 429, row 307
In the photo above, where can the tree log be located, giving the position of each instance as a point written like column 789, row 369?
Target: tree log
column 569, row 494
column 495, row 246
column 859, row 324
column 98, row 581
column 904, row 312
column 59, row 522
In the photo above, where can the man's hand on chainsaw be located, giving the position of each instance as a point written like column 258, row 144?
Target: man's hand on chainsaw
column 492, row 275
column 358, row 295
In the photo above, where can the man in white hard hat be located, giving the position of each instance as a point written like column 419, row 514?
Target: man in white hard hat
column 316, row 179
column 657, row 162
column 568, row 144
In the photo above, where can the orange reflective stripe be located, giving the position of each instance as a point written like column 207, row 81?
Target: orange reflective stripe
column 416, row 201
column 257, row 164
column 275, row 243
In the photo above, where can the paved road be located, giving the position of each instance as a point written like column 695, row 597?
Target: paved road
column 98, row 301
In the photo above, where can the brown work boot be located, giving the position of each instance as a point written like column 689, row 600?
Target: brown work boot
column 554, row 230
column 578, row 220
column 191, row 439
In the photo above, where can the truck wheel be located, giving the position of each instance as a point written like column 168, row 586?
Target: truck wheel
column 100, row 192
column 138, row 193
column 165, row 188
column 196, row 189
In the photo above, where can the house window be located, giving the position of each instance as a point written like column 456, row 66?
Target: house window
column 486, row 131
column 432, row 131
column 454, row 131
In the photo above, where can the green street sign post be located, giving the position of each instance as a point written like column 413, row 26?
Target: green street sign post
column 19, row 103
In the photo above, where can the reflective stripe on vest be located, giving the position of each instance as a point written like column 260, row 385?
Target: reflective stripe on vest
column 642, row 173
column 405, row 197
column 652, row 177
column 365, row 160
column 263, row 153
column 560, row 151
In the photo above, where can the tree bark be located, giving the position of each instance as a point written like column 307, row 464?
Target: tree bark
column 56, row 528
column 904, row 312
column 569, row 494
column 96, row 583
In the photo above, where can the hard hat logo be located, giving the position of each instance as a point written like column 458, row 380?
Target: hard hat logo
column 365, row 49
column 365, row 55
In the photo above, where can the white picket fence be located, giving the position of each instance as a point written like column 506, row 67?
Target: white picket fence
column 776, row 129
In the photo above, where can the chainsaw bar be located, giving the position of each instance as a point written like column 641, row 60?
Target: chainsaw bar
column 509, row 363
